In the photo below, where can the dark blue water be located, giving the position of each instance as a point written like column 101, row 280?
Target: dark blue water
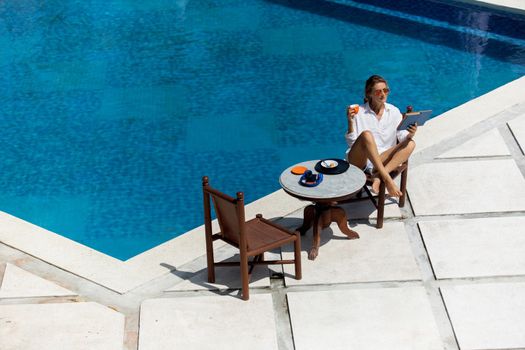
column 112, row 111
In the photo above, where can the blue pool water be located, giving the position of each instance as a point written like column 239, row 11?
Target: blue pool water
column 111, row 111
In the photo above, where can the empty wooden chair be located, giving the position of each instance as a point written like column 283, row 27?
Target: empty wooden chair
column 252, row 238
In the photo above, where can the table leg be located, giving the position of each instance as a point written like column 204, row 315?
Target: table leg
column 339, row 215
column 322, row 220
column 323, row 216
column 309, row 217
column 316, row 239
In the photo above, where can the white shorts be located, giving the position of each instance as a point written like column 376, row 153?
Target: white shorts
column 369, row 167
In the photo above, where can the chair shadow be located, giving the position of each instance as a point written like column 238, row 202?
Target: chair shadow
column 327, row 235
column 224, row 279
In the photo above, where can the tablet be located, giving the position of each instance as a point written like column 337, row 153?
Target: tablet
column 419, row 117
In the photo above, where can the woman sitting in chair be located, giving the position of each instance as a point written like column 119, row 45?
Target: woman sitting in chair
column 374, row 143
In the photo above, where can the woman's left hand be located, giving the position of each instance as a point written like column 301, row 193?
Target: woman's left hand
column 412, row 130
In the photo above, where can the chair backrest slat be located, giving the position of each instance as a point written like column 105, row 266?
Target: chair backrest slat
column 227, row 217
column 230, row 215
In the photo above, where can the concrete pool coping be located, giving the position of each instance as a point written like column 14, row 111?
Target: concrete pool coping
column 123, row 276
column 515, row 6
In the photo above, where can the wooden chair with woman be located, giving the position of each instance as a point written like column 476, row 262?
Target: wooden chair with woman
column 376, row 146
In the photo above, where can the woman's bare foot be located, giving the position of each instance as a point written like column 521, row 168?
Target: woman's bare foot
column 392, row 189
column 376, row 182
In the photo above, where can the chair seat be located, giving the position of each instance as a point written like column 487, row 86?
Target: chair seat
column 393, row 174
column 262, row 236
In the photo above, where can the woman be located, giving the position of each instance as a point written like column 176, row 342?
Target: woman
column 374, row 143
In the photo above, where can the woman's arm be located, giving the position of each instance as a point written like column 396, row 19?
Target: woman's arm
column 351, row 134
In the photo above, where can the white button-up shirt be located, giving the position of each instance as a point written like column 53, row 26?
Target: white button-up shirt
column 384, row 129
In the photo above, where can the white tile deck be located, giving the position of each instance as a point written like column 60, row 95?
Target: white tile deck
column 18, row 283
column 467, row 187
column 378, row 255
column 79, row 326
column 216, row 322
column 517, row 126
column 364, row 319
column 485, row 145
column 487, row 316
column 476, row 247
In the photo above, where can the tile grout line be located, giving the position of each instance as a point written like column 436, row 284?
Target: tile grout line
column 3, row 266
column 467, row 216
column 422, row 258
column 516, row 150
column 515, row 138
column 132, row 330
column 448, row 317
column 42, row 300
column 283, row 320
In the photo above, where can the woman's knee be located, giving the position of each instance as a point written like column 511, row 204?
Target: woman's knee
column 411, row 145
column 367, row 136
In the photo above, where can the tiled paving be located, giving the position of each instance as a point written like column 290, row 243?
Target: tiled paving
column 445, row 272
column 367, row 319
column 489, row 144
column 483, row 247
column 80, row 326
column 18, row 283
column 468, row 187
column 383, row 255
column 487, row 316
column 208, row 323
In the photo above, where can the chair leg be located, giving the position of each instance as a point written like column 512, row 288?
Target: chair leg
column 244, row 276
column 404, row 176
column 297, row 255
column 210, row 260
column 381, row 205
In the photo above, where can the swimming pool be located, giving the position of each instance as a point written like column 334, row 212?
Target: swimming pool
column 112, row 111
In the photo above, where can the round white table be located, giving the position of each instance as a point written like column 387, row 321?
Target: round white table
column 325, row 197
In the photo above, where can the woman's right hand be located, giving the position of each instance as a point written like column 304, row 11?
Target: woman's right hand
column 350, row 113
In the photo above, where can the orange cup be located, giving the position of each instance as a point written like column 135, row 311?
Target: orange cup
column 355, row 108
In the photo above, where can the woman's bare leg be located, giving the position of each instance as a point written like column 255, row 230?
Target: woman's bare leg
column 401, row 155
column 394, row 156
column 365, row 148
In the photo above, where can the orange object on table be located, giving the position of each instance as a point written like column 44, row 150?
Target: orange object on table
column 299, row 170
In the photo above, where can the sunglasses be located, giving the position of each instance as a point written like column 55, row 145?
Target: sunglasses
column 378, row 92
